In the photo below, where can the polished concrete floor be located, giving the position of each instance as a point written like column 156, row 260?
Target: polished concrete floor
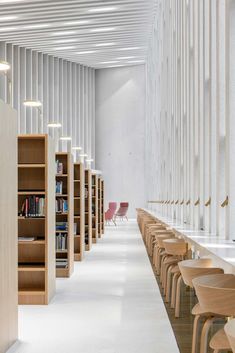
column 111, row 304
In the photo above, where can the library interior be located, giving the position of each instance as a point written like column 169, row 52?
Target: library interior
column 117, row 194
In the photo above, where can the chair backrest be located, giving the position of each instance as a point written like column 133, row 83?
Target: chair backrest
column 122, row 211
column 229, row 328
column 113, row 206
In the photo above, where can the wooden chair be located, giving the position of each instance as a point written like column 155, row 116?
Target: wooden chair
column 229, row 329
column 160, row 251
column 189, row 270
column 216, row 295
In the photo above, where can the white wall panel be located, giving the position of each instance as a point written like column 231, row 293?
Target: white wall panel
column 67, row 95
column 190, row 120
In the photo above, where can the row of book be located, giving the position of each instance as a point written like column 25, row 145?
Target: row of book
column 59, row 167
column 61, row 241
column 61, row 263
column 33, row 206
column 59, row 187
column 61, row 205
column 62, row 226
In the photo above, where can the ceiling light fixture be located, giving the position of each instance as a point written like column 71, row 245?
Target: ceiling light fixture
column 77, row 148
column 108, row 62
column 83, row 155
column 32, row 103
column 8, row 18
column 86, row 52
column 54, row 124
column 65, row 138
column 126, row 57
column 104, row 44
column 4, row 66
column 7, row 29
column 136, row 61
column 102, row 9
column 103, row 29
column 63, row 33
column 74, row 23
column 89, row 160
column 64, row 48
column 37, row 25
column 130, row 48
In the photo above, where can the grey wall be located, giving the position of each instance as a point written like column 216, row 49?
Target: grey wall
column 120, row 130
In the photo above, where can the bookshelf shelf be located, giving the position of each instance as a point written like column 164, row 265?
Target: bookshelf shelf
column 36, row 264
column 79, row 204
column 64, row 198
column 100, row 207
column 88, row 210
column 8, row 227
column 94, row 208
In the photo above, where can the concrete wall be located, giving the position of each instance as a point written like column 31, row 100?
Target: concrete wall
column 120, row 130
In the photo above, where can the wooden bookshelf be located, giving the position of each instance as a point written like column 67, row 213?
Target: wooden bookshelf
column 99, row 208
column 88, row 210
column 79, row 211
column 64, row 237
column 8, row 228
column 36, row 253
column 94, row 206
column 102, row 205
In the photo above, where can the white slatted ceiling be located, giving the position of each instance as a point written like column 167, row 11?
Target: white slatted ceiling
column 130, row 22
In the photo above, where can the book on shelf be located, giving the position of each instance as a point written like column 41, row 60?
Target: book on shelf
column 61, row 205
column 75, row 228
column 26, row 239
column 33, row 206
column 61, row 263
column 61, row 241
column 59, row 167
column 86, row 193
column 62, row 226
column 59, row 187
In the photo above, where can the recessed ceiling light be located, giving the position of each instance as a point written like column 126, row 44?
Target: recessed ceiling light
column 83, row 155
column 77, row 148
column 54, row 124
column 130, row 48
column 103, row 29
column 108, row 62
column 63, row 33
column 7, row 29
column 59, row 41
column 65, row 138
column 4, row 65
column 32, row 103
column 115, row 66
column 104, row 44
column 8, row 18
column 102, row 9
column 86, row 52
column 125, row 57
column 74, row 23
column 136, row 61
column 64, row 48
column 89, row 160
column 37, row 25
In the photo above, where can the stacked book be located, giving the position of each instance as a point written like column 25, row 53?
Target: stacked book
column 59, row 187
column 59, row 167
column 33, row 206
column 86, row 193
column 61, row 205
column 26, row 239
column 61, row 241
column 62, row 226
column 61, row 263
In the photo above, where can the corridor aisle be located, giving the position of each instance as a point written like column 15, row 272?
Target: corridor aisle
column 110, row 305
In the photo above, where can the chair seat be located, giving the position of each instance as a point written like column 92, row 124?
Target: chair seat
column 197, row 310
column 175, row 269
column 220, row 341
column 170, row 260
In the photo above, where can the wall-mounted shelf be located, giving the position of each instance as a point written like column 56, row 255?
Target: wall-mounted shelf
column 102, row 207
column 36, row 223
column 79, row 216
column 64, row 235
column 88, row 210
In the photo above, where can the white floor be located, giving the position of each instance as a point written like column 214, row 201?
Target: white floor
column 110, row 305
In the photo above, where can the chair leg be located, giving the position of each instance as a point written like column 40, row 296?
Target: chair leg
column 177, row 298
column 173, row 291
column 114, row 222
column 195, row 333
column 168, row 284
column 204, row 335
